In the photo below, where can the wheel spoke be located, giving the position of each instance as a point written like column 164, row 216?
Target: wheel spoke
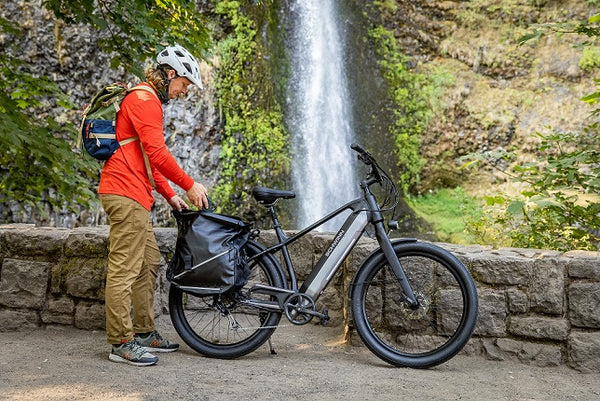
column 429, row 334
column 221, row 325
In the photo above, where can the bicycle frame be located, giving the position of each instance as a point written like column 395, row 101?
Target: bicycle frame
column 235, row 323
column 364, row 210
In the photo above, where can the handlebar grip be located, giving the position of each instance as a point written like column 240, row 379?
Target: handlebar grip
column 356, row 147
column 363, row 155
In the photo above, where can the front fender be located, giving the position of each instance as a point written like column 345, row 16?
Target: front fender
column 376, row 257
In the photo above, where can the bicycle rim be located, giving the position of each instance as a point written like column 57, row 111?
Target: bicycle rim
column 219, row 325
column 430, row 334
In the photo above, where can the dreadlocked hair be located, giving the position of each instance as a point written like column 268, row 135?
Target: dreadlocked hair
column 159, row 79
column 157, row 76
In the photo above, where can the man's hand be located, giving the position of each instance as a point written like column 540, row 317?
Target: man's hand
column 177, row 203
column 197, row 195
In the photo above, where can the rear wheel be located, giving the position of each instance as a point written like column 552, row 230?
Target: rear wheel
column 430, row 334
column 221, row 326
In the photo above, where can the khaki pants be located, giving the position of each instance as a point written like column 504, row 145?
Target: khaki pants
column 133, row 263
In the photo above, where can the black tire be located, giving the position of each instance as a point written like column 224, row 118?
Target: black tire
column 206, row 323
column 421, row 338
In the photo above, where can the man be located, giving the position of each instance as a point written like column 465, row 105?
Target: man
column 126, row 193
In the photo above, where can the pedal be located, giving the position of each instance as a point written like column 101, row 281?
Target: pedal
column 324, row 317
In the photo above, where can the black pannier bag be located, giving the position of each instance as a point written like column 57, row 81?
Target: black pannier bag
column 208, row 255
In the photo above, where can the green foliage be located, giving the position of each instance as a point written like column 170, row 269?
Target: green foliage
column 590, row 58
column 254, row 146
column 410, row 93
column 136, row 29
column 38, row 166
column 560, row 207
column 448, row 211
column 588, row 28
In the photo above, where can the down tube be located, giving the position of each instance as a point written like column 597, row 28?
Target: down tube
column 338, row 249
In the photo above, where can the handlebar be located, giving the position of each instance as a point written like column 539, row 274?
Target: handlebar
column 377, row 175
column 367, row 158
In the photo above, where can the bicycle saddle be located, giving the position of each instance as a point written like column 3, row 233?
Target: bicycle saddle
column 268, row 196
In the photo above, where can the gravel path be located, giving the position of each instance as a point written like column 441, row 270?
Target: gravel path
column 311, row 363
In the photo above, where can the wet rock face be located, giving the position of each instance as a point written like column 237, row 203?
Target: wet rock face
column 500, row 94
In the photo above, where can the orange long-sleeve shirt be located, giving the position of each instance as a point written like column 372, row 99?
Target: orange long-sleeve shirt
column 124, row 174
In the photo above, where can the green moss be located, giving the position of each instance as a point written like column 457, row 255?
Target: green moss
column 408, row 106
column 415, row 99
column 590, row 58
column 255, row 142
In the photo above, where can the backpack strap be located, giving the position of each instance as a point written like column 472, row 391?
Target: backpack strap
column 135, row 138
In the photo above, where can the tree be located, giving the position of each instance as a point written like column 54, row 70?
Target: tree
column 37, row 165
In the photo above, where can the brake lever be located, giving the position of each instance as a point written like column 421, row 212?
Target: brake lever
column 363, row 158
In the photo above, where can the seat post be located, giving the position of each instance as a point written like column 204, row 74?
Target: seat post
column 281, row 237
column 273, row 214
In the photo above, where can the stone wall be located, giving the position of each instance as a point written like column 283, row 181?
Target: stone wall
column 538, row 307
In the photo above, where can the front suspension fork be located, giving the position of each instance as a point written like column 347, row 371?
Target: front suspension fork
column 390, row 255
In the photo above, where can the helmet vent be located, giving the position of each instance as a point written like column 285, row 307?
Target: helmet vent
column 184, row 64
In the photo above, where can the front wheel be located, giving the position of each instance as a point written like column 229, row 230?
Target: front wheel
column 428, row 335
column 223, row 326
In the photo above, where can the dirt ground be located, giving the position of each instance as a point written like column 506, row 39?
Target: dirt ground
column 311, row 363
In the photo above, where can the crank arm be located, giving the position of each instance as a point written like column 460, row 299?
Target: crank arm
column 280, row 293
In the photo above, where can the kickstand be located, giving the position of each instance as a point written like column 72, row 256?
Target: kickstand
column 271, row 348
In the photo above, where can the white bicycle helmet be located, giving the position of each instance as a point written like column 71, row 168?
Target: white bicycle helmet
column 182, row 62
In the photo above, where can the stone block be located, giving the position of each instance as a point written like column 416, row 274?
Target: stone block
column 491, row 320
column 90, row 316
column 359, row 254
column 474, row 347
column 584, row 305
column 321, row 241
column 166, row 238
column 491, row 351
column 584, row 352
column 57, row 279
column 18, row 319
column 303, row 255
column 24, row 283
column 45, row 243
column 500, row 268
column 517, row 300
column 539, row 327
column 528, row 352
column 547, row 289
column 91, row 242
column 84, row 278
column 466, row 252
column 58, row 310
column 331, row 299
column 582, row 264
column 450, row 310
column 161, row 297
column 267, row 238
column 159, row 293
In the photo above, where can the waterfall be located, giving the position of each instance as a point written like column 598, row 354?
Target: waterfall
column 319, row 112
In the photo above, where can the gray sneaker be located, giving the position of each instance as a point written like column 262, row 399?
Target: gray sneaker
column 132, row 353
column 155, row 343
